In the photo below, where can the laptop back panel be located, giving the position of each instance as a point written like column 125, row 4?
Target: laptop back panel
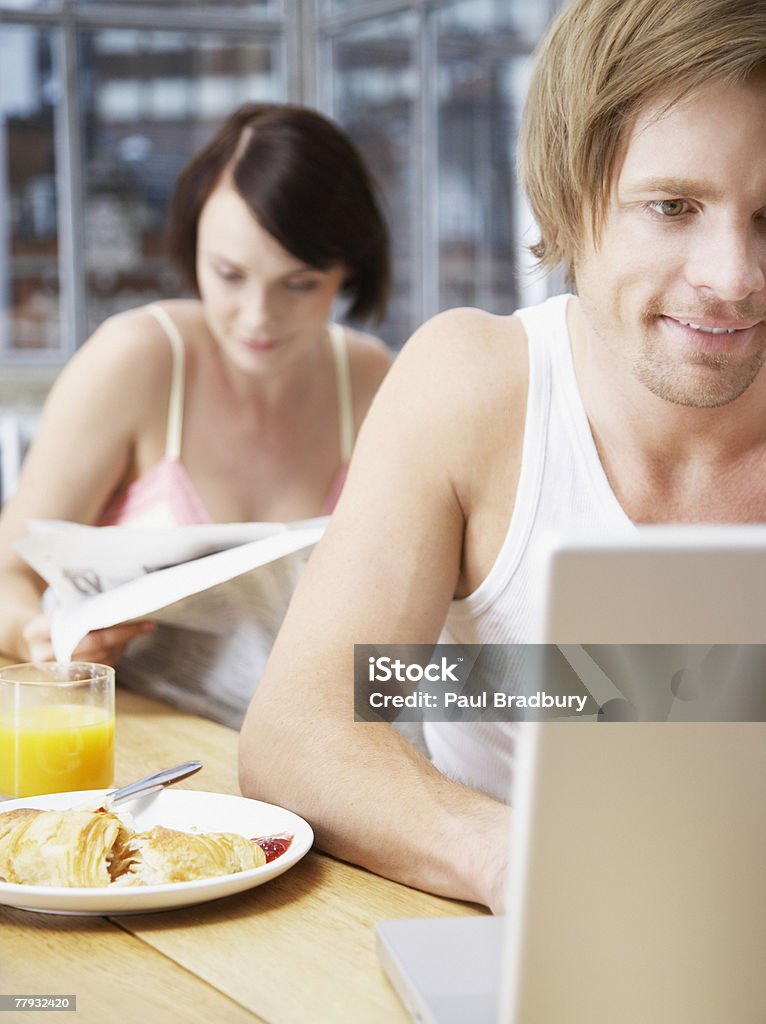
column 638, row 891
column 638, row 888
column 654, row 585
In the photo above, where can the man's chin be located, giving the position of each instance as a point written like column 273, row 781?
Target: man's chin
column 702, row 381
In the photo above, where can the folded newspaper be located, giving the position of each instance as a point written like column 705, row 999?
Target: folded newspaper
column 229, row 582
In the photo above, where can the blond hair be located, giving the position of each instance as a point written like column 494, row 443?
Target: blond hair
column 601, row 61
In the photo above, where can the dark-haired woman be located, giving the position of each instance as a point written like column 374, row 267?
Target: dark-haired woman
column 240, row 404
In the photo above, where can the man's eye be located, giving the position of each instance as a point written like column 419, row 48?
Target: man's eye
column 669, row 208
column 301, row 286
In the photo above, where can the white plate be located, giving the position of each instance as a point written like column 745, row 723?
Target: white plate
column 188, row 810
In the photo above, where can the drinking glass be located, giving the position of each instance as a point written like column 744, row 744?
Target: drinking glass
column 56, row 727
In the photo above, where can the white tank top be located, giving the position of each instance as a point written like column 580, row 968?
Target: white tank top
column 562, row 484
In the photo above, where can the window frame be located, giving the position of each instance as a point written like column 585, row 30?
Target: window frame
column 306, row 29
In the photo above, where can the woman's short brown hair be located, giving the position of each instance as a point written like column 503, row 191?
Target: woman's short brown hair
column 600, row 63
column 306, row 184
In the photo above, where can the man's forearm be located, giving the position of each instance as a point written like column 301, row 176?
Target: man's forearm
column 381, row 805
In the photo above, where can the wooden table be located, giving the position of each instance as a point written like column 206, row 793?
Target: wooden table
column 297, row 950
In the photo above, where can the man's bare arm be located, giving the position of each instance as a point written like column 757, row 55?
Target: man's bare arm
column 385, row 572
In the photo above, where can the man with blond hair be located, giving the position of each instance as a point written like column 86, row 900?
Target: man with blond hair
column 639, row 398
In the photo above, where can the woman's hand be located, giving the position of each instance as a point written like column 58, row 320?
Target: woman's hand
column 103, row 646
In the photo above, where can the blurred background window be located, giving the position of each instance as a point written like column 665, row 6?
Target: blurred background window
column 147, row 100
column 102, row 103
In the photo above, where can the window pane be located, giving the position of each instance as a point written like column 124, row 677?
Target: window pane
column 150, row 99
column 29, row 283
column 27, row 5
column 477, row 124
column 482, row 19
column 260, row 8
column 374, row 84
column 334, row 6
column 528, row 17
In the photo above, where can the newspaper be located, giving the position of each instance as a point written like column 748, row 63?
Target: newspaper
column 219, row 593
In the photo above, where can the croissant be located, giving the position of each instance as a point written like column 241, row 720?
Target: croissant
column 63, row 848
column 165, row 855
column 10, row 819
column 96, row 848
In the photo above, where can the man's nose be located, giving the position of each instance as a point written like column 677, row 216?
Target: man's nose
column 731, row 263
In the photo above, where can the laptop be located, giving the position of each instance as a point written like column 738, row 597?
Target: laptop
column 637, row 889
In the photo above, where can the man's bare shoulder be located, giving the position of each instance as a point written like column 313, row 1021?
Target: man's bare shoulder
column 467, row 332
column 469, row 355
column 453, row 402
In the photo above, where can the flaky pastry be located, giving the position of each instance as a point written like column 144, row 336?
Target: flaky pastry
column 95, row 848
column 10, row 819
column 166, row 855
column 67, row 848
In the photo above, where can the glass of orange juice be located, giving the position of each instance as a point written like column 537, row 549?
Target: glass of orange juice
column 56, row 727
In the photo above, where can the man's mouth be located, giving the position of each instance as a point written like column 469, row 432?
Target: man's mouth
column 715, row 328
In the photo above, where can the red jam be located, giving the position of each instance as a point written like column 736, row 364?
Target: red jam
column 273, row 846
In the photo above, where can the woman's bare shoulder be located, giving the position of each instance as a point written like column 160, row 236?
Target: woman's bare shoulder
column 125, row 365
column 132, row 340
column 111, row 394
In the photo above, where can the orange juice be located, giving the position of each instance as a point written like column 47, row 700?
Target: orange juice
column 55, row 748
